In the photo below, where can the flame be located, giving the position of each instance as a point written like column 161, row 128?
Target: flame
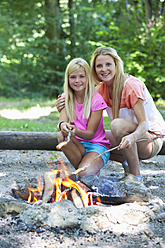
column 34, row 194
column 61, row 188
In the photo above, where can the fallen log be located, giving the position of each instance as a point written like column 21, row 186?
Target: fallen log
column 162, row 151
column 19, row 140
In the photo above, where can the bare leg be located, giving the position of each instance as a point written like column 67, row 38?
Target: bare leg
column 115, row 155
column 74, row 151
column 95, row 167
column 121, row 128
column 60, row 137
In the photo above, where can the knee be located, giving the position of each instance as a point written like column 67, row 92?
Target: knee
column 59, row 137
column 116, row 127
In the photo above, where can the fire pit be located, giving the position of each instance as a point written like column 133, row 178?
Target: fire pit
column 87, row 191
column 120, row 207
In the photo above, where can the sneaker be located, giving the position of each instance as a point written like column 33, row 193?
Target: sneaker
column 131, row 177
column 126, row 170
column 125, row 167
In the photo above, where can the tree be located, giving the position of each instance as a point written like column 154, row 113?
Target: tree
column 39, row 37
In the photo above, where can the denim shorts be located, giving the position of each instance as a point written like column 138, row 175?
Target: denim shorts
column 92, row 147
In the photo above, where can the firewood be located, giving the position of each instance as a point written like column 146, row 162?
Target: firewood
column 22, row 193
column 49, row 179
column 76, row 198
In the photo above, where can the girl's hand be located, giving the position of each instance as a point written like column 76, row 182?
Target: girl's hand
column 127, row 141
column 73, row 129
column 65, row 127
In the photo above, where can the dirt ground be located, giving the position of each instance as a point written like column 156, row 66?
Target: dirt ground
column 15, row 166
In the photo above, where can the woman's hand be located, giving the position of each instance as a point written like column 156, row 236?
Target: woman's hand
column 141, row 129
column 60, row 103
column 127, row 141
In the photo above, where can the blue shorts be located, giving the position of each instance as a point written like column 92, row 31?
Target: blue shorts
column 92, row 147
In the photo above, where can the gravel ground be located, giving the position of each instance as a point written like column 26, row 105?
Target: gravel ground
column 15, row 166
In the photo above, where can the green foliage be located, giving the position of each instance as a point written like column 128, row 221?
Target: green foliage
column 38, row 40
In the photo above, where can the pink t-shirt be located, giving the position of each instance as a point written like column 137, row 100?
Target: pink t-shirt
column 81, row 123
column 133, row 90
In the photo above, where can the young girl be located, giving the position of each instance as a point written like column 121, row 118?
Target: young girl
column 82, row 116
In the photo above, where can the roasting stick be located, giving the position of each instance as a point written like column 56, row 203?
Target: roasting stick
column 76, row 172
column 64, row 143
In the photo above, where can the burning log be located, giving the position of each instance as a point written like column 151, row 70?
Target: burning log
column 90, row 190
column 57, row 188
column 27, row 194
column 49, row 178
column 76, row 198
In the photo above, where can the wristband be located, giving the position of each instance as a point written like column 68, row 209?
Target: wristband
column 60, row 125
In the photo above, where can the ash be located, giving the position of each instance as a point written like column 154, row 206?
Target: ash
column 15, row 234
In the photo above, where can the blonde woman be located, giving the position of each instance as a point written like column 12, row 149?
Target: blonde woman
column 82, row 116
column 130, row 107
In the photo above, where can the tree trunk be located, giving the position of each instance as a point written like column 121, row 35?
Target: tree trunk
column 17, row 140
column 162, row 151
column 53, row 24
column 71, row 28
column 148, row 10
column 13, row 140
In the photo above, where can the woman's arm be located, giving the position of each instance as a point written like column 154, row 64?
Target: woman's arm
column 141, row 129
column 93, row 123
column 60, row 103
column 143, row 125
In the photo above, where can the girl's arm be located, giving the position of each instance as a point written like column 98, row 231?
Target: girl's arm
column 93, row 123
column 63, row 122
column 141, row 129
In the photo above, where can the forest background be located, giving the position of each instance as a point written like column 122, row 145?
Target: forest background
column 39, row 37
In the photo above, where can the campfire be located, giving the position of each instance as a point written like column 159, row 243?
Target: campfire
column 92, row 203
column 60, row 199
column 59, row 185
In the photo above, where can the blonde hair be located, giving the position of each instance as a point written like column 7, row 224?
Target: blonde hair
column 118, row 79
column 74, row 65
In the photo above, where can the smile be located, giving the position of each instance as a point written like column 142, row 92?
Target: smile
column 105, row 74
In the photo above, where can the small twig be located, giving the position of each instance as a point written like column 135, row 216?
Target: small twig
column 86, row 166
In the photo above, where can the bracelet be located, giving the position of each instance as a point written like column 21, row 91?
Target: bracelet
column 59, row 125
